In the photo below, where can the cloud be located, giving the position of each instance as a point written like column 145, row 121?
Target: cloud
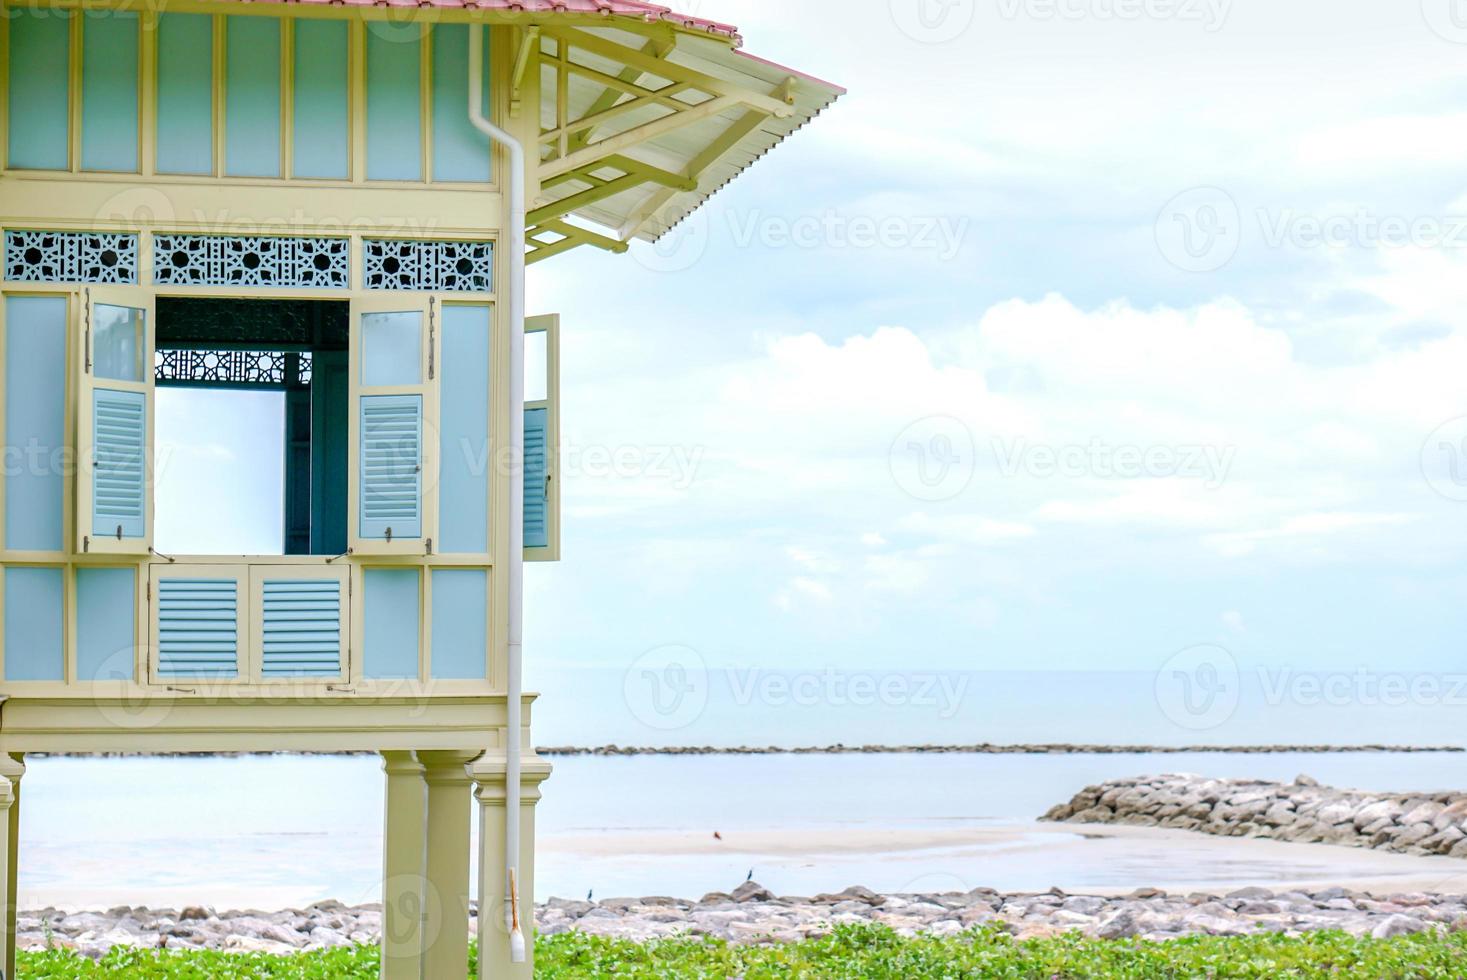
column 1278, row 406
column 801, row 592
column 967, row 528
column 1239, row 544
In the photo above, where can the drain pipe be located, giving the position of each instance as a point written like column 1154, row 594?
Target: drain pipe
column 515, row 240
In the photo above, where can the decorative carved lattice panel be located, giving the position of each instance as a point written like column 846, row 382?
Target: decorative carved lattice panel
column 54, row 256
column 216, row 260
column 212, row 322
column 446, row 267
column 229, row 368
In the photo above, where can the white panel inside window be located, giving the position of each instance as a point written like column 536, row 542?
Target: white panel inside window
column 537, row 366
column 392, row 345
column 118, row 342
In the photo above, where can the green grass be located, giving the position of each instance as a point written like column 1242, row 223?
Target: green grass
column 850, row 954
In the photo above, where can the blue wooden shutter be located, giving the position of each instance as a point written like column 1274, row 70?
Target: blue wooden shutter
column 119, row 490
column 302, row 628
column 392, row 467
column 537, row 503
column 198, row 628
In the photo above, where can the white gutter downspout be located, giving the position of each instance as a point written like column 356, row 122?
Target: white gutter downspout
column 515, row 242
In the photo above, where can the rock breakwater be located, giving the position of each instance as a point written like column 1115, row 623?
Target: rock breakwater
column 1302, row 811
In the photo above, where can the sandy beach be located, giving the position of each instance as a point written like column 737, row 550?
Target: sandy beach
column 1171, row 860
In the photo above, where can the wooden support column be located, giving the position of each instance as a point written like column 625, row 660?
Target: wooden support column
column 12, row 767
column 446, row 925
column 488, row 777
column 404, row 837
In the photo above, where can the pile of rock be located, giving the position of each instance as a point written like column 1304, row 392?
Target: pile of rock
column 752, row 915
column 321, row 926
column 1410, row 823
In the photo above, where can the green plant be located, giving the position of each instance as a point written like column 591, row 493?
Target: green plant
column 849, row 953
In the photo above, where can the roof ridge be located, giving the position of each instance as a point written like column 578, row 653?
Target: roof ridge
column 640, row 9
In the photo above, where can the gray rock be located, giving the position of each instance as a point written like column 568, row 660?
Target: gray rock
column 1397, row 925
column 863, row 895
column 1412, row 835
column 1118, row 925
column 571, row 909
column 1084, row 905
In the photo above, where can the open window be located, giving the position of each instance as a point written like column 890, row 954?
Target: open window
column 542, row 438
column 394, row 397
column 115, row 415
column 251, row 426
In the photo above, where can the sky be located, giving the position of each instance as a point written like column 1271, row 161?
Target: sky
column 1082, row 335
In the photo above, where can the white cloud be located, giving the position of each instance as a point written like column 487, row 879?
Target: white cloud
column 967, row 528
column 1239, row 544
column 897, row 573
column 812, row 560
column 801, row 592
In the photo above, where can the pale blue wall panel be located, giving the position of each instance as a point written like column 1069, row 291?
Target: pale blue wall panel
column 106, row 610
column 110, row 92
column 40, row 88
column 391, row 622
column 460, row 151
column 252, row 97
column 34, row 630
column 394, row 106
column 460, row 624
column 322, row 104
column 186, row 94
column 463, row 486
column 35, row 421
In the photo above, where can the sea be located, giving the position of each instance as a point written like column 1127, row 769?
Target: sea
column 287, row 830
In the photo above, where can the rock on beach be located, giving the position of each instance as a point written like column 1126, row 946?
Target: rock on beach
column 1302, row 811
column 752, row 915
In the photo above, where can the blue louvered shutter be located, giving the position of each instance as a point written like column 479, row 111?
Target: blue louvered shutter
column 198, row 628
column 119, row 489
column 302, row 628
column 391, row 479
column 537, row 502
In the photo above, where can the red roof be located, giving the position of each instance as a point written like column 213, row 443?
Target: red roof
column 639, row 9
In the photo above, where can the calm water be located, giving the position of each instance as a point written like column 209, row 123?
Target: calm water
column 287, row 830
